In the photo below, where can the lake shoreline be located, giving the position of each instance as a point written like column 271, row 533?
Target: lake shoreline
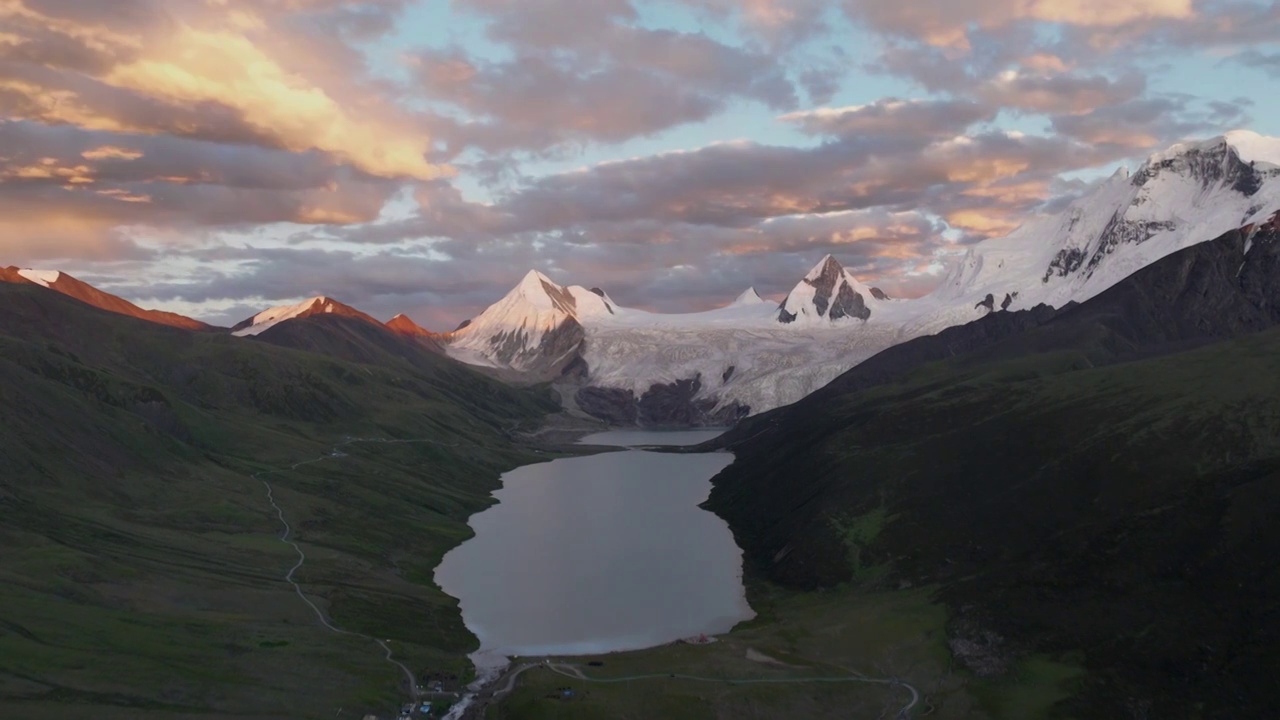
column 692, row 570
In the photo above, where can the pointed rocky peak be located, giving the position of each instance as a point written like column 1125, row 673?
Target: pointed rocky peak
column 541, row 293
column 403, row 325
column 311, row 307
column 828, row 293
column 828, row 267
column 84, row 292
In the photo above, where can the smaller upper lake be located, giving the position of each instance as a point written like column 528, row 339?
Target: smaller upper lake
column 633, row 438
column 600, row 553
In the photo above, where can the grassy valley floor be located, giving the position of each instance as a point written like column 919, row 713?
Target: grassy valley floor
column 780, row 665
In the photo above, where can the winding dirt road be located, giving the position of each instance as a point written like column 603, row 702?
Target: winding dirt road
column 414, row 693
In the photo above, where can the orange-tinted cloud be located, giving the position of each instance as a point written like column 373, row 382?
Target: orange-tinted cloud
column 945, row 23
column 223, row 62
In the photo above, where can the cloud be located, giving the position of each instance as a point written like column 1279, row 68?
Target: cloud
column 185, row 141
column 1268, row 63
column 81, row 183
column 893, row 117
column 947, row 23
column 69, row 64
column 735, row 184
column 583, row 72
column 1057, row 93
column 1148, row 123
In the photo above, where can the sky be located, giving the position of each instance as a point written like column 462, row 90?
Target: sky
column 218, row 157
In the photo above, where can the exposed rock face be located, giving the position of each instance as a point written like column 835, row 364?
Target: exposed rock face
column 463, row 324
column 662, row 405
column 848, row 304
column 980, row 649
column 556, row 348
column 612, row 405
column 989, row 302
column 825, row 284
column 728, row 373
column 879, row 294
column 576, row 369
column 828, row 293
column 1008, row 300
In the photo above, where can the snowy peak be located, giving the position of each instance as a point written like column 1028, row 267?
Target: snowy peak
column 749, row 297
column 535, row 326
column 1254, row 148
column 1213, row 162
column 538, row 291
column 827, row 294
column 84, row 292
column 1189, row 193
column 319, row 305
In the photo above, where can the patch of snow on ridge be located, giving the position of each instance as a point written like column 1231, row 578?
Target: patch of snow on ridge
column 268, row 319
column 1252, row 147
column 41, row 277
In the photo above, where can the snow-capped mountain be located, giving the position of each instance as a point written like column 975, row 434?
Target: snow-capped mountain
column 536, row 328
column 1190, row 193
column 320, row 305
column 86, row 293
column 710, row 367
column 752, row 355
column 829, row 293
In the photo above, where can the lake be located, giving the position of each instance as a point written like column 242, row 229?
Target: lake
column 602, row 553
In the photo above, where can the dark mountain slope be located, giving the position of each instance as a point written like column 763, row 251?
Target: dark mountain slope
column 140, row 570
column 1085, row 485
column 355, row 340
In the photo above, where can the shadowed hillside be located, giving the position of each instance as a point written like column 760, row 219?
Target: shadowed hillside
column 1094, row 484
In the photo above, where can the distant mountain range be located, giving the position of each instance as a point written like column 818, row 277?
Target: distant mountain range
column 629, row 366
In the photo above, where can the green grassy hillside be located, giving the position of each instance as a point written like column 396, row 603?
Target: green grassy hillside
column 140, row 571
